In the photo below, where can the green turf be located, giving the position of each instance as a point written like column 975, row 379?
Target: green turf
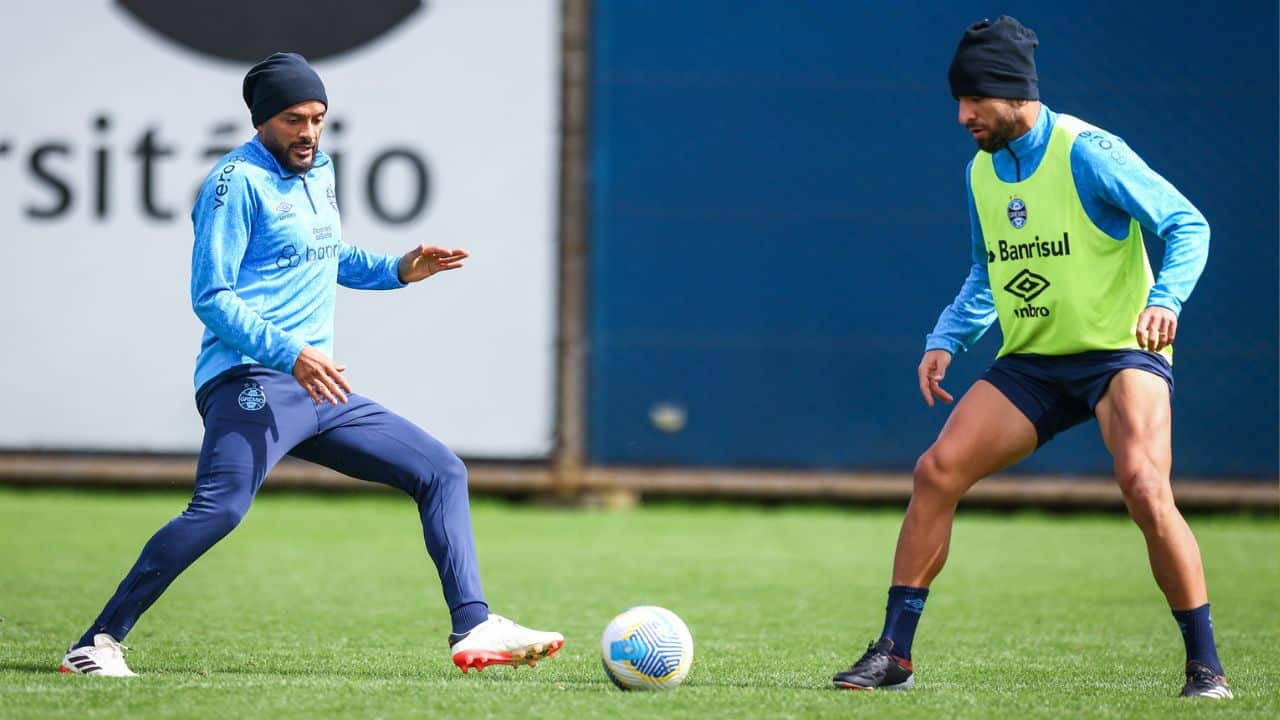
column 327, row 606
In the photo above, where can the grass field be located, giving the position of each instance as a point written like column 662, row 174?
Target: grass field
column 327, row 606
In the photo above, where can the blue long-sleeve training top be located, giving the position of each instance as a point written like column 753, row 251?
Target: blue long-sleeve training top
column 267, row 260
column 1114, row 184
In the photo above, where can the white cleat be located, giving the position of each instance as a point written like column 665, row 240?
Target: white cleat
column 105, row 657
column 498, row 641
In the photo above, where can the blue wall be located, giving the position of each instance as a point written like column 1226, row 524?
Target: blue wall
column 777, row 217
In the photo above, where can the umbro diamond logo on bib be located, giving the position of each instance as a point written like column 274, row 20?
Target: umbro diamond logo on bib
column 1027, row 285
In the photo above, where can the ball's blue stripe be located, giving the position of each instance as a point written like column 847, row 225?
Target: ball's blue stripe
column 664, row 654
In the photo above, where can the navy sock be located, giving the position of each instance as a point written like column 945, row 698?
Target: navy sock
column 901, row 615
column 87, row 638
column 1197, row 634
column 465, row 617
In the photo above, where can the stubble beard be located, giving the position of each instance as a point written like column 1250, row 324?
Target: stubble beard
column 281, row 153
column 999, row 135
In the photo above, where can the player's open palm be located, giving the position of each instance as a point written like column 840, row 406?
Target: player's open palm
column 320, row 377
column 933, row 368
column 424, row 261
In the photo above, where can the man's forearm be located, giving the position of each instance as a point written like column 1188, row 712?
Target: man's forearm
column 236, row 324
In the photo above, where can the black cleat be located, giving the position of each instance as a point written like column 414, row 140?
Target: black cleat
column 878, row 668
column 1203, row 681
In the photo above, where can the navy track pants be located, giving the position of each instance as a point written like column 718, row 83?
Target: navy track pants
column 253, row 416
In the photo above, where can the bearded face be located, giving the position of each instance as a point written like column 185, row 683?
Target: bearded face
column 992, row 122
column 293, row 135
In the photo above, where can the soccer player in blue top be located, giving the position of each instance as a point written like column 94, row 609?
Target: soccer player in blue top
column 267, row 260
column 1056, row 211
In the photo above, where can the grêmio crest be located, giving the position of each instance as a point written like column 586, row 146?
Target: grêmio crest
column 1017, row 213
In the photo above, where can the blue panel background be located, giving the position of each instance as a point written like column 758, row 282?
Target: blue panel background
column 777, row 217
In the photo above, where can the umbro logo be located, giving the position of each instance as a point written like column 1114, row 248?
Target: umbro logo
column 1026, row 285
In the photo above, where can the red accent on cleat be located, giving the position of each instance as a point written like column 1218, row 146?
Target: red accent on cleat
column 480, row 659
column 65, row 669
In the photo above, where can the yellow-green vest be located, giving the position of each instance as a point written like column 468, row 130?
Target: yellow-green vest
column 1061, row 285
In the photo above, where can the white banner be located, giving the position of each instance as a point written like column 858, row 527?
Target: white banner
column 443, row 128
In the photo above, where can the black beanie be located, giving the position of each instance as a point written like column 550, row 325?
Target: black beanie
column 996, row 59
column 279, row 82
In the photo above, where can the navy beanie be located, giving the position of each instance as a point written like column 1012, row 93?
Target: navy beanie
column 279, row 82
column 996, row 59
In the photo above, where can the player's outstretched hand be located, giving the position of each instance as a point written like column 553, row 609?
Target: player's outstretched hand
column 931, row 371
column 424, row 261
column 1156, row 328
column 322, row 379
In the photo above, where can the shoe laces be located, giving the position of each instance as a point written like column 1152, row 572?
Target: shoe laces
column 869, row 656
column 114, row 647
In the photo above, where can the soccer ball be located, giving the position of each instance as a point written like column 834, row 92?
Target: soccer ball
column 646, row 648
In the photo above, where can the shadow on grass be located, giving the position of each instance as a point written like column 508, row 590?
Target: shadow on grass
column 30, row 667
column 503, row 675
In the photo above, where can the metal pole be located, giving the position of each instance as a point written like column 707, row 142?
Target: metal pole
column 569, row 454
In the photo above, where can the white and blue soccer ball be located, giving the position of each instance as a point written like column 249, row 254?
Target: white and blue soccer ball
column 646, row 648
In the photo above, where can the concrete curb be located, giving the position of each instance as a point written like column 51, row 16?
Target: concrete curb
column 538, row 479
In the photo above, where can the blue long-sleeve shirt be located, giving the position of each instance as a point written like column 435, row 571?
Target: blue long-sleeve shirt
column 267, row 260
column 1114, row 184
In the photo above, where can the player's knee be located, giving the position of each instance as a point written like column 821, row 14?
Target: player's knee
column 440, row 473
column 452, row 472
column 934, row 476
column 1148, row 500
column 223, row 519
column 215, row 515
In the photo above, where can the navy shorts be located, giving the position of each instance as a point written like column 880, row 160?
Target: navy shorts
column 1060, row 392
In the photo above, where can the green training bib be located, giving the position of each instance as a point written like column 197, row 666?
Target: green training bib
column 1061, row 285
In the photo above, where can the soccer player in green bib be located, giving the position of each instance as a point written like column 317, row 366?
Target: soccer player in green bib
column 1056, row 209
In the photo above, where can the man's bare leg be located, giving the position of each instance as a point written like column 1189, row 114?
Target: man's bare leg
column 1134, row 417
column 985, row 434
